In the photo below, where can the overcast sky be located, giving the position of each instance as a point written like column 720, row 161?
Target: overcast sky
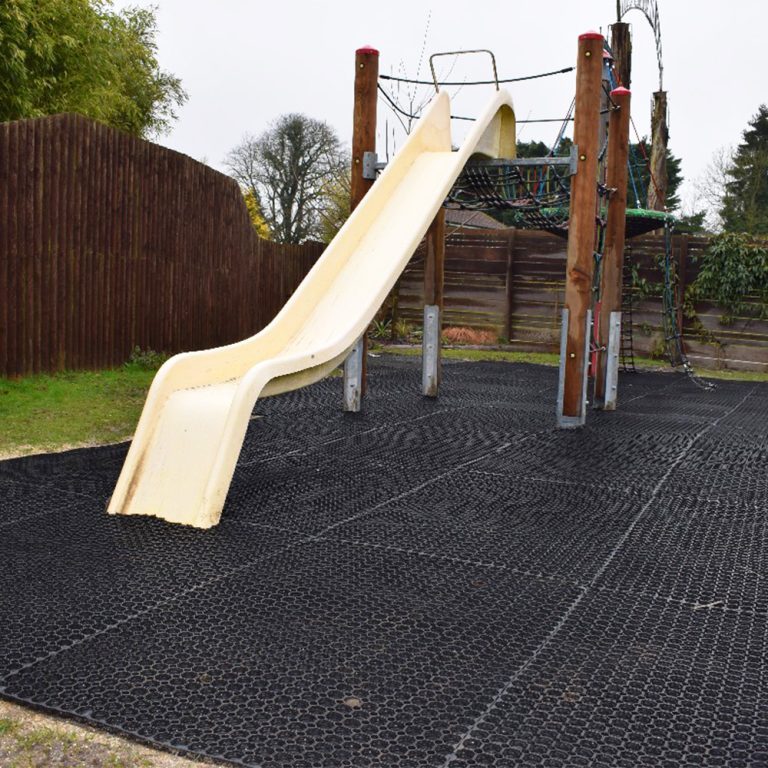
column 244, row 63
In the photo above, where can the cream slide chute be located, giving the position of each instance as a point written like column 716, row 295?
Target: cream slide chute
column 180, row 464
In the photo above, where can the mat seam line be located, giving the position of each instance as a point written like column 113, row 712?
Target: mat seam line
column 213, row 580
column 550, row 636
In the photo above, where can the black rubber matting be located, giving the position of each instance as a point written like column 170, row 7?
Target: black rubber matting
column 429, row 583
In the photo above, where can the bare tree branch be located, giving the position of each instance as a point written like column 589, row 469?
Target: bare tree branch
column 289, row 168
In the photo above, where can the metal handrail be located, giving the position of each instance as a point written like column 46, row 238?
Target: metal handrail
column 459, row 53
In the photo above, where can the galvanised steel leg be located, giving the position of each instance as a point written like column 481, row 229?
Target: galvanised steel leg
column 353, row 378
column 430, row 351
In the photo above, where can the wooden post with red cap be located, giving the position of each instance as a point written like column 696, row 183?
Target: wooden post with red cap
column 577, row 315
column 608, row 334
column 363, row 140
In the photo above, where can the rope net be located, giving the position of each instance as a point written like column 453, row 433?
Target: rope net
column 536, row 198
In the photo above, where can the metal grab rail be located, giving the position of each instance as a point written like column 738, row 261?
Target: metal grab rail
column 460, row 53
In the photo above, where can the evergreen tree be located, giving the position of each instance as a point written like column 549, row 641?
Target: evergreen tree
column 745, row 202
column 640, row 177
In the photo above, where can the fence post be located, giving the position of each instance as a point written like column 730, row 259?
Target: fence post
column 508, row 286
column 574, row 348
column 363, row 140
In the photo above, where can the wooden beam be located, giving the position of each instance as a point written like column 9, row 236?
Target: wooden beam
column 434, row 261
column 363, row 140
column 364, row 119
column 657, row 188
column 581, row 230
column 613, row 251
column 621, row 45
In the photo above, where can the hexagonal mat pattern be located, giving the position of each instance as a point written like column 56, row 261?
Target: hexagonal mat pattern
column 444, row 583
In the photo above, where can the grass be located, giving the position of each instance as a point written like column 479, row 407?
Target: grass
column 45, row 412
column 545, row 358
column 65, row 410
column 501, row 355
column 30, row 739
column 732, row 375
column 466, row 354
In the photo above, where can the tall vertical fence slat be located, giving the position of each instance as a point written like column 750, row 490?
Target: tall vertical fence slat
column 108, row 243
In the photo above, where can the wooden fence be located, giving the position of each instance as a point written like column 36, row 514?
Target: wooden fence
column 108, row 242
column 512, row 282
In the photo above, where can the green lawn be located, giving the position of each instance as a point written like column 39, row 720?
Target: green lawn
column 53, row 412
column 50, row 412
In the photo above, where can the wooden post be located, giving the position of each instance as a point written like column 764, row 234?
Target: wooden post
column 581, row 234
column 682, row 270
column 434, row 275
column 509, row 285
column 605, row 112
column 434, row 261
column 363, row 140
column 613, row 252
column 657, row 188
column 621, row 45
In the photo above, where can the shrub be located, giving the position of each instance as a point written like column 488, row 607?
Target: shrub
column 146, row 359
column 470, row 336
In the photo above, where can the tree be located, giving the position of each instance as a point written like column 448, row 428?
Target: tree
column 711, row 188
column 290, row 169
column 335, row 205
column 691, row 223
column 254, row 213
column 745, row 202
column 81, row 56
column 640, row 177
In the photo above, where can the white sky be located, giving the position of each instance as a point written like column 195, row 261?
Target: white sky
column 244, row 63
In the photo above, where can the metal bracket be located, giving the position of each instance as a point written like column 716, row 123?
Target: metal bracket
column 612, row 362
column 353, row 378
column 369, row 165
column 430, row 351
column 573, row 159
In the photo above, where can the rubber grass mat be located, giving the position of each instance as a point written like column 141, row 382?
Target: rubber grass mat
column 445, row 583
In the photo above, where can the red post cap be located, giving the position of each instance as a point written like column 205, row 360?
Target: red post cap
column 591, row 35
column 621, row 91
column 368, row 49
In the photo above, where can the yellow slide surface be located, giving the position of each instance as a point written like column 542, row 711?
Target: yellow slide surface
column 182, row 458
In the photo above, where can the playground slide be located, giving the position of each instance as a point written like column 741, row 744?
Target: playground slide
column 183, row 455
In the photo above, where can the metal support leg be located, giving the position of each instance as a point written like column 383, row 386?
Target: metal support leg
column 430, row 351
column 563, row 421
column 612, row 355
column 353, row 378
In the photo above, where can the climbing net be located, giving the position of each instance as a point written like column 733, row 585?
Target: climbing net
column 535, row 193
column 537, row 196
column 671, row 314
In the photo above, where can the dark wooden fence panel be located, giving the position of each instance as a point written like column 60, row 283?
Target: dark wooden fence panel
column 108, row 242
column 513, row 283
